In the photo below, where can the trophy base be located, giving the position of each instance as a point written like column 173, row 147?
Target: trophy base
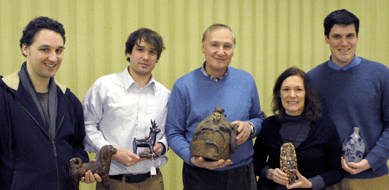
column 148, row 156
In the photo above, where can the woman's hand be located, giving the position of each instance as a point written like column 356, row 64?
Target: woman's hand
column 302, row 182
column 277, row 176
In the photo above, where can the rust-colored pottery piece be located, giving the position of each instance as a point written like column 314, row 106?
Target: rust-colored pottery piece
column 214, row 138
column 100, row 167
column 288, row 161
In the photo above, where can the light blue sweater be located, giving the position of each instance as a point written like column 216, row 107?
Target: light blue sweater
column 358, row 97
column 194, row 97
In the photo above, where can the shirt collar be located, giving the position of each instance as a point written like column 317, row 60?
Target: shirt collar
column 352, row 64
column 210, row 76
column 130, row 83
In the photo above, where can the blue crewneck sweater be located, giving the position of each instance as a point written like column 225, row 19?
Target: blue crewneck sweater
column 358, row 97
column 194, row 96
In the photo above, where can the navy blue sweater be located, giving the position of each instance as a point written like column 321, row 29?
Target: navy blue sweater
column 358, row 97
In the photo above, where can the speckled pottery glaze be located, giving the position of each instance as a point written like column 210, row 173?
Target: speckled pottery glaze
column 353, row 147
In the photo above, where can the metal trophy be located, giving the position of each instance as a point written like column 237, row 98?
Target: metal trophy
column 147, row 142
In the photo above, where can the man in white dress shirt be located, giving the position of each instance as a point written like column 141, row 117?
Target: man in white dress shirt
column 119, row 107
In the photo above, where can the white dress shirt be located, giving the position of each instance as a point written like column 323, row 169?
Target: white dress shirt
column 116, row 111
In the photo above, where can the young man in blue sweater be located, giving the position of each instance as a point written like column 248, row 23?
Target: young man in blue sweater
column 195, row 95
column 355, row 93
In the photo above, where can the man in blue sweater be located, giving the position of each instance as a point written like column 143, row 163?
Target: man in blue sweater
column 195, row 95
column 355, row 93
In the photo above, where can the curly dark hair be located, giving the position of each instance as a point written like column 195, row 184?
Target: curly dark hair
column 149, row 36
column 312, row 110
column 36, row 25
column 340, row 17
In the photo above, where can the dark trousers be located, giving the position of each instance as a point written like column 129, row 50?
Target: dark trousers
column 195, row 178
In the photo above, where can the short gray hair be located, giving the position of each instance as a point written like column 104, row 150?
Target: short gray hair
column 216, row 26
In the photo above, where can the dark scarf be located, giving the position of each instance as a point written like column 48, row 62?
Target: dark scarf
column 49, row 115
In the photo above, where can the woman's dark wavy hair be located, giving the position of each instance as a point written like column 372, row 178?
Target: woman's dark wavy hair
column 36, row 25
column 149, row 36
column 312, row 110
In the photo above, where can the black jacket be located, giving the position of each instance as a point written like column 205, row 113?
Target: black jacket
column 319, row 154
column 29, row 158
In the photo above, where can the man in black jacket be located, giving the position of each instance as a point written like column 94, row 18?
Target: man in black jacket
column 41, row 121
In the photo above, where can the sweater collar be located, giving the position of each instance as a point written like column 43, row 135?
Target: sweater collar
column 294, row 117
column 206, row 74
column 352, row 64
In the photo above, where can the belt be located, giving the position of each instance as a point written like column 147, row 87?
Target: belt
column 132, row 178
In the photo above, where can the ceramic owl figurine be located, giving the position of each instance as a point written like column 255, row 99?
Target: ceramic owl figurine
column 288, row 161
column 353, row 147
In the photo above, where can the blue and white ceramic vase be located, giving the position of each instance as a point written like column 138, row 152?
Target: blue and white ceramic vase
column 353, row 147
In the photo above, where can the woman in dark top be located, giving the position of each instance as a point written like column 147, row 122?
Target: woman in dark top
column 297, row 120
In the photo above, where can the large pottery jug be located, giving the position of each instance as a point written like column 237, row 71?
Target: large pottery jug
column 353, row 147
